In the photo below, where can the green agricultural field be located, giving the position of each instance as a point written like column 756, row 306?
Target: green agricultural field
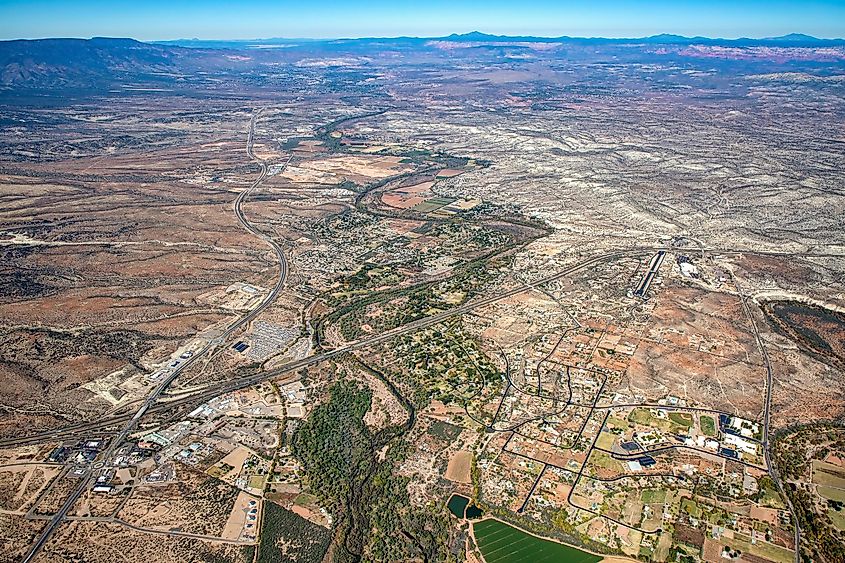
column 646, row 418
column 501, row 543
column 256, row 481
column 606, row 440
column 762, row 549
column 603, row 460
column 832, row 493
column 708, row 425
column 617, row 423
column 769, row 495
column 838, row 519
column 653, row 496
column 304, row 499
column 681, row 418
column 428, row 206
column 216, row 472
column 771, row 552
column 828, row 474
column 641, row 416
column 690, row 507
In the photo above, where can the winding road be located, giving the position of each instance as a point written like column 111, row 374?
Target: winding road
column 89, row 470
column 227, row 386
column 767, row 450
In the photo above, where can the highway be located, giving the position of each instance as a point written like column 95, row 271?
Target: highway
column 280, row 255
column 154, row 396
column 767, row 453
column 227, row 386
column 152, row 404
column 212, row 391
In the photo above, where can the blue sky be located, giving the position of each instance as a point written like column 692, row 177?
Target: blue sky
column 218, row 19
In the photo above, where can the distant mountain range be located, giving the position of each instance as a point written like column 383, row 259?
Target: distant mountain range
column 56, row 62
column 792, row 39
column 53, row 65
column 92, row 63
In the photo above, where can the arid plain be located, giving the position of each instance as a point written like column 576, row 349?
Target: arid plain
column 303, row 303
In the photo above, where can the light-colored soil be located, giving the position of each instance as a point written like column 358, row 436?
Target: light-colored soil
column 237, row 518
column 236, row 459
column 459, row 467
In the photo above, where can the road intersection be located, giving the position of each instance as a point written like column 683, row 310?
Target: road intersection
column 88, row 471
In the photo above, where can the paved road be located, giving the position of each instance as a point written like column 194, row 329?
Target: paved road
column 280, row 255
column 155, row 531
column 767, row 453
column 153, row 397
column 226, row 387
column 221, row 388
column 210, row 392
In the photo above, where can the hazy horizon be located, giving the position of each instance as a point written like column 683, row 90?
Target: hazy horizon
column 216, row 20
column 458, row 33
